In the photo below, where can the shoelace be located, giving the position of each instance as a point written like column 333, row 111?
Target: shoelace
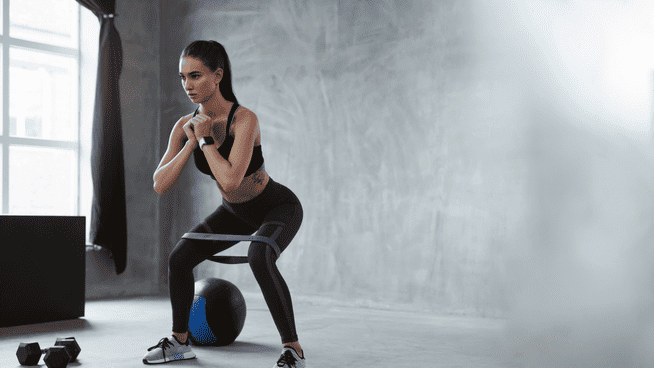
column 286, row 359
column 163, row 344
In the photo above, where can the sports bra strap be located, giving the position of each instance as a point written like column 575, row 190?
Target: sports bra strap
column 230, row 117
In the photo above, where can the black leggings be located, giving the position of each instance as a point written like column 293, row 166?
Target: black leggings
column 275, row 213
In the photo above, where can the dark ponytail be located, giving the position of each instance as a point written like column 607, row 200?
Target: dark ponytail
column 213, row 56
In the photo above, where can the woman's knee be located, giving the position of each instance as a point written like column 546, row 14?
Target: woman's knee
column 260, row 256
column 181, row 255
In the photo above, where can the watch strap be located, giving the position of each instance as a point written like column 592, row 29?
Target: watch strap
column 206, row 140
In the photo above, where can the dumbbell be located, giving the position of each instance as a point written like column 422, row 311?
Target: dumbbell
column 30, row 353
column 72, row 346
column 65, row 350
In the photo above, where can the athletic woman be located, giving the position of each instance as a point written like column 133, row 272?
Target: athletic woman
column 225, row 140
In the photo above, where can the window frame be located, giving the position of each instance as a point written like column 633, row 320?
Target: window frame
column 6, row 140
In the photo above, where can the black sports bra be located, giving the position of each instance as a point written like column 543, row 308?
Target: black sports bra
column 201, row 161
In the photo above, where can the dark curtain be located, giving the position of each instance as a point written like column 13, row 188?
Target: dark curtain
column 109, row 215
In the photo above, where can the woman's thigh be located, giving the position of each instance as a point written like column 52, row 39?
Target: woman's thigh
column 281, row 224
column 220, row 221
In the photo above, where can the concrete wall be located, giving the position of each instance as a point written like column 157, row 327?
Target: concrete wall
column 582, row 269
column 450, row 156
column 138, row 23
column 382, row 119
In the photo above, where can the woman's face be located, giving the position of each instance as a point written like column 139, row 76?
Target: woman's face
column 198, row 81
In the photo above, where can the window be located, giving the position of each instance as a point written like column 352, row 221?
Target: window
column 44, row 75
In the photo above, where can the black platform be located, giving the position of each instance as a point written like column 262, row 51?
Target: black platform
column 42, row 269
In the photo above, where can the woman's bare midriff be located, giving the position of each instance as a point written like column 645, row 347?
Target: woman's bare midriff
column 250, row 187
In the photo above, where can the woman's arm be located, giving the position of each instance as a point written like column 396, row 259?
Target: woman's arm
column 175, row 158
column 229, row 173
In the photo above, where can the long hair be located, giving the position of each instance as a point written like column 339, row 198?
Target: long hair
column 213, row 56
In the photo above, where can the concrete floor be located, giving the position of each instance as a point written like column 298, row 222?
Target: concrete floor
column 117, row 333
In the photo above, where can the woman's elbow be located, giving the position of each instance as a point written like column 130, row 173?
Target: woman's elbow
column 230, row 185
column 157, row 188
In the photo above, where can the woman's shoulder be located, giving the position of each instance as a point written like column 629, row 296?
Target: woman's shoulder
column 243, row 111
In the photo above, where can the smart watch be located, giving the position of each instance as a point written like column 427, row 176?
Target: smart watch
column 206, row 140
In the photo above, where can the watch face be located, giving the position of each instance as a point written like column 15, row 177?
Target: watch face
column 206, row 140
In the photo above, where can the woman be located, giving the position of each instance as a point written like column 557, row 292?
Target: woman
column 226, row 143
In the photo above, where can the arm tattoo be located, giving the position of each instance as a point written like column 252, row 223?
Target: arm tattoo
column 258, row 177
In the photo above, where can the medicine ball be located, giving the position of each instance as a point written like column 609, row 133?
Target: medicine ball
column 217, row 314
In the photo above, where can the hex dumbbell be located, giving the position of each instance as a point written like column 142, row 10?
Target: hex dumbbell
column 29, row 354
column 72, row 346
column 55, row 357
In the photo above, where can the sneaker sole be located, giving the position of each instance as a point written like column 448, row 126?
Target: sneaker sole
column 174, row 358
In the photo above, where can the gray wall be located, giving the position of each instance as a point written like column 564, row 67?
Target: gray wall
column 582, row 268
column 138, row 23
column 381, row 118
column 446, row 160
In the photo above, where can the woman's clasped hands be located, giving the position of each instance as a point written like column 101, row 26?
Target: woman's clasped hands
column 198, row 127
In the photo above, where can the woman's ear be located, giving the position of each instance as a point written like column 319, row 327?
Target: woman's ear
column 219, row 75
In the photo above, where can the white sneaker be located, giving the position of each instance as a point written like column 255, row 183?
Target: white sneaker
column 168, row 350
column 290, row 359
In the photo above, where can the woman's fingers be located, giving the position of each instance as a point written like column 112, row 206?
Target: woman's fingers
column 202, row 125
